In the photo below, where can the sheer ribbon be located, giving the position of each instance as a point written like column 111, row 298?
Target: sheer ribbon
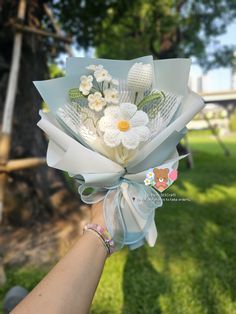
column 129, row 211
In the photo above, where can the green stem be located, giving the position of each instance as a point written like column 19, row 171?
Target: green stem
column 135, row 97
column 99, row 88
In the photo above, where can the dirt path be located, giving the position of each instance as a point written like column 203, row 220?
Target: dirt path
column 43, row 243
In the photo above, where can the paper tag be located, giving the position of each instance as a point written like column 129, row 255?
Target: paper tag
column 160, row 178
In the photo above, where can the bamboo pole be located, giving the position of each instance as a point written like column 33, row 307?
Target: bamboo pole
column 28, row 29
column 56, row 27
column 21, row 164
column 14, row 71
column 5, row 138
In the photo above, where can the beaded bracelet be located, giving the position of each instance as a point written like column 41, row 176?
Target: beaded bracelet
column 103, row 235
column 100, row 239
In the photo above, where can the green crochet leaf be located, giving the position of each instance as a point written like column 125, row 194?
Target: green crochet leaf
column 150, row 98
column 75, row 93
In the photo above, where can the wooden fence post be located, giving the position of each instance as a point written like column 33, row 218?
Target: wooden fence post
column 5, row 138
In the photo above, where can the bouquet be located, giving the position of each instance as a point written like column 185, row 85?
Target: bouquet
column 113, row 125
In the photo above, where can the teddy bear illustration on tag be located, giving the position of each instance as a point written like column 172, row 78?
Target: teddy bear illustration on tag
column 161, row 178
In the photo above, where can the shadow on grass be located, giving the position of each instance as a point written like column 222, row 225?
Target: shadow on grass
column 140, row 288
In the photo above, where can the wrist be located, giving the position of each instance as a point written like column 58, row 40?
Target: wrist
column 95, row 243
column 103, row 235
column 97, row 215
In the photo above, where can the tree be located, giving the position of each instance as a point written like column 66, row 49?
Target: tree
column 165, row 29
column 41, row 192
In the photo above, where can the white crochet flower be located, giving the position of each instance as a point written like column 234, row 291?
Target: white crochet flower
column 96, row 101
column 111, row 96
column 86, row 84
column 140, row 77
column 94, row 67
column 125, row 125
column 102, row 75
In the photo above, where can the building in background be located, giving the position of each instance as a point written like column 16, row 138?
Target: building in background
column 219, row 91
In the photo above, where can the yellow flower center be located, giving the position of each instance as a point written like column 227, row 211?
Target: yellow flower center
column 123, row 125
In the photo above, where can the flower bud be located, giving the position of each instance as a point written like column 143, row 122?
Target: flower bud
column 140, row 77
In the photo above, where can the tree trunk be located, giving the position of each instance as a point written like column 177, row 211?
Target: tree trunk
column 38, row 193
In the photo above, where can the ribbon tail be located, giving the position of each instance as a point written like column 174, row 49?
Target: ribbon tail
column 129, row 212
column 91, row 194
column 151, row 234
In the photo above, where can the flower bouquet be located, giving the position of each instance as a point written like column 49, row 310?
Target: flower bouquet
column 114, row 125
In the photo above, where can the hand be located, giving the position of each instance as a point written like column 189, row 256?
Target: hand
column 97, row 214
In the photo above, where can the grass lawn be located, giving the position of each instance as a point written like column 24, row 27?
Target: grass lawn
column 192, row 269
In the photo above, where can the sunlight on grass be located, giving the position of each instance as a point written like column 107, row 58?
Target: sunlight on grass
column 216, row 193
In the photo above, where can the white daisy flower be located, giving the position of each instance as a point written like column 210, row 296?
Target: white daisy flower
column 96, row 101
column 86, row 84
column 125, row 125
column 111, row 96
column 94, row 67
column 102, row 75
column 147, row 182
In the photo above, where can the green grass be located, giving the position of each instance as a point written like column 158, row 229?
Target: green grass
column 232, row 123
column 27, row 278
column 192, row 269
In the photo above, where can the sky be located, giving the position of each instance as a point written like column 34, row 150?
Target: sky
column 217, row 79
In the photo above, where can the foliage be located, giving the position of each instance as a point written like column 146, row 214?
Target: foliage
column 75, row 93
column 154, row 96
column 169, row 29
column 192, row 268
column 166, row 29
column 127, row 29
column 55, row 71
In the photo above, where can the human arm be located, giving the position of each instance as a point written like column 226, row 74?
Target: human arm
column 70, row 286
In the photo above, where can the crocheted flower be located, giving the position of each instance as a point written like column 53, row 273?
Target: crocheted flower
column 111, row 96
column 125, row 125
column 140, row 77
column 86, row 84
column 102, row 75
column 94, row 67
column 96, row 101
